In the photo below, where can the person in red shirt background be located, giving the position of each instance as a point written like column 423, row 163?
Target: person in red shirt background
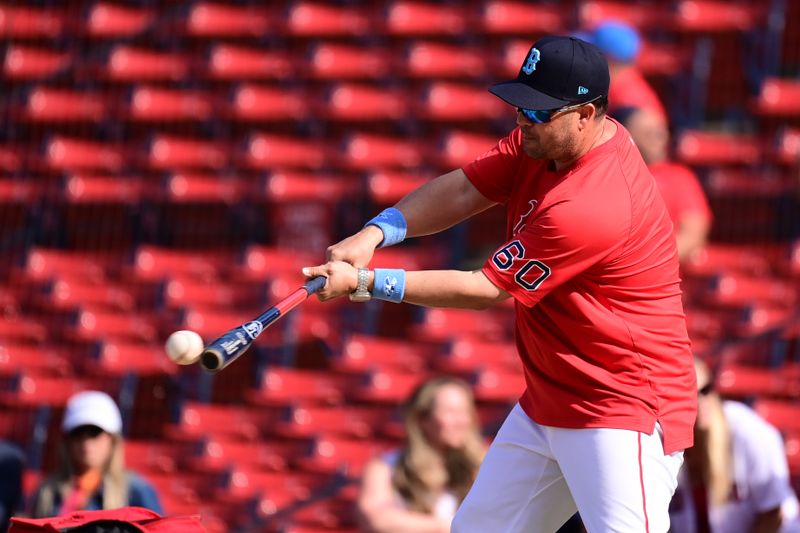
column 591, row 262
column 686, row 202
column 621, row 44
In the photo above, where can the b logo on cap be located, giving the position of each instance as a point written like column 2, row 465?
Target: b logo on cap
column 530, row 64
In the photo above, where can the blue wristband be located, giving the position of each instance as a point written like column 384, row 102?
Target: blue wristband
column 393, row 225
column 389, row 284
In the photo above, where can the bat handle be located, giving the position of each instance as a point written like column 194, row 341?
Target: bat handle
column 315, row 284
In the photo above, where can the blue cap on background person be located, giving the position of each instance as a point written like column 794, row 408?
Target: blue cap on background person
column 92, row 408
column 619, row 41
column 556, row 72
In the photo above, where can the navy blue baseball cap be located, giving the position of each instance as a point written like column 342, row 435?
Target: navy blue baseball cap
column 558, row 71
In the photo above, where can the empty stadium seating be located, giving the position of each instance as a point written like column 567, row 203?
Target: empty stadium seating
column 168, row 165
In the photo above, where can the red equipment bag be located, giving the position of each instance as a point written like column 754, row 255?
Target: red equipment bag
column 124, row 520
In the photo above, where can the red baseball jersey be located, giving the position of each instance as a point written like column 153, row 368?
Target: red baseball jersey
column 681, row 191
column 592, row 264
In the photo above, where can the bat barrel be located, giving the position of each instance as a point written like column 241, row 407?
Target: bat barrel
column 212, row 360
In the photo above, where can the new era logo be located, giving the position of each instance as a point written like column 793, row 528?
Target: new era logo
column 582, row 90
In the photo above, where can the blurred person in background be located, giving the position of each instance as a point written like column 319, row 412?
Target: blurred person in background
column 11, row 465
column 735, row 479
column 686, row 202
column 92, row 474
column 419, row 487
column 621, row 44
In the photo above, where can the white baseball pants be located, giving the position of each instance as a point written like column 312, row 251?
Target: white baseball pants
column 535, row 477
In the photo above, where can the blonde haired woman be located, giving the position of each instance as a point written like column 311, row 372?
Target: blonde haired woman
column 418, row 488
column 92, row 475
column 735, row 479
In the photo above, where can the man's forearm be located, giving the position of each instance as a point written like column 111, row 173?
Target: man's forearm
column 450, row 288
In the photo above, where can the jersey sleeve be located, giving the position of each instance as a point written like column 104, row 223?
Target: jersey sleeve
column 493, row 172
column 693, row 199
column 555, row 246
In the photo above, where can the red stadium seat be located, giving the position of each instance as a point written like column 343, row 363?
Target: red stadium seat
column 160, row 104
column 43, row 263
column 68, row 293
column 493, row 325
column 129, row 63
column 221, row 422
column 154, row 263
column 306, row 421
column 23, row 330
column 461, row 147
column 335, row 61
column 466, row 355
column 173, row 152
column 715, row 258
column 760, row 318
column 787, row 150
column 283, row 386
column 263, row 103
column 459, row 102
column 509, row 54
column 373, row 151
column 29, row 21
column 641, row 15
column 365, row 352
column 156, row 456
column 718, row 15
column 710, row 148
column 514, row 17
column 221, row 454
column 315, row 19
column 27, row 388
column 738, row 381
column 734, row 182
column 120, row 357
column 211, row 322
column 385, row 387
column 177, row 292
column 235, row 62
column 331, row 455
column 387, row 187
column 70, row 153
column 55, row 105
column 187, row 187
column 284, row 186
column 108, row 20
column 779, row 97
column 82, row 188
column 34, row 359
column 260, row 263
column 214, row 19
column 267, row 151
column 409, row 17
column 359, row 102
column 783, row 414
column 13, row 191
column 498, row 385
column 737, row 290
column 11, row 157
column 664, row 59
column 95, row 325
column 431, row 59
column 33, row 63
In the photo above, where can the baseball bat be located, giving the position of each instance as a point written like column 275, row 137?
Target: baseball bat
column 233, row 344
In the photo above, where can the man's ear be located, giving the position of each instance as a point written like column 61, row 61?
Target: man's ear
column 585, row 114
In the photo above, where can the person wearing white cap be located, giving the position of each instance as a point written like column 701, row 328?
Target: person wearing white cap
column 92, row 474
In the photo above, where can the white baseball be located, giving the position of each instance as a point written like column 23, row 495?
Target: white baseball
column 184, row 347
